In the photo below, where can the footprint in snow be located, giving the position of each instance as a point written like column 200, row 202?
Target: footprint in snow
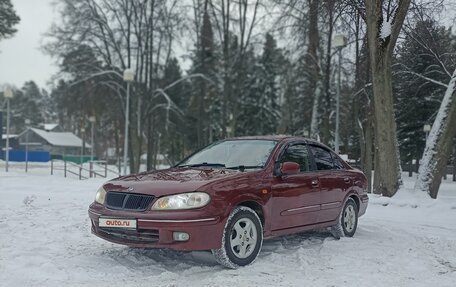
column 28, row 200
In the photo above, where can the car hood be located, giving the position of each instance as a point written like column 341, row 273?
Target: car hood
column 169, row 181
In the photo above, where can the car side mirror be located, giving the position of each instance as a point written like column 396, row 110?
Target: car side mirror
column 289, row 167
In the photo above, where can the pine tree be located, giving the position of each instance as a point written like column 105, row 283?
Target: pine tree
column 8, row 19
column 175, row 131
column 260, row 110
column 204, row 117
column 270, row 65
column 28, row 103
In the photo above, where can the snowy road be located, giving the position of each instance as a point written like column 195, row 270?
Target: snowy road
column 45, row 241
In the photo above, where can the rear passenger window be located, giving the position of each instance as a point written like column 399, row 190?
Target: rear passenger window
column 337, row 162
column 322, row 158
column 298, row 154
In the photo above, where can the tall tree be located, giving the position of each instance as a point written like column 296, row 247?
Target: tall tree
column 384, row 21
column 8, row 19
column 417, row 74
column 174, row 134
column 437, row 45
column 234, row 23
column 313, row 61
column 439, row 144
column 28, row 103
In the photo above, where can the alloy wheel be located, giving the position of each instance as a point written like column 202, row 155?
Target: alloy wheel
column 243, row 238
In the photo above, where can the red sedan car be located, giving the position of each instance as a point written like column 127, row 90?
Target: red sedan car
column 231, row 195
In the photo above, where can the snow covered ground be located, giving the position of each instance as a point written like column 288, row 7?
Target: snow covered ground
column 45, row 240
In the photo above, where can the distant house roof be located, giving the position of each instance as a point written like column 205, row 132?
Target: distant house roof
column 60, row 138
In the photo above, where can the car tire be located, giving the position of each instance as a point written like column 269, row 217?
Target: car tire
column 348, row 220
column 242, row 239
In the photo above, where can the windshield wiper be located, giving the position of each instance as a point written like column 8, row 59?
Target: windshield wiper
column 244, row 167
column 203, row 164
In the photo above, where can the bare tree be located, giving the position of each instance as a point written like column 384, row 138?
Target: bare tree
column 135, row 34
column 384, row 22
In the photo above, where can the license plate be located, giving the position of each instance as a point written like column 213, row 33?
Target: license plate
column 117, row 223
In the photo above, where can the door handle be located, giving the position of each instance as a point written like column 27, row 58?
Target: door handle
column 315, row 182
column 347, row 180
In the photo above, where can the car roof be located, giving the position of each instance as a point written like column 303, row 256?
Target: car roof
column 287, row 138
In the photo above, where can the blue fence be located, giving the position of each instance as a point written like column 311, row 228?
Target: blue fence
column 33, row 156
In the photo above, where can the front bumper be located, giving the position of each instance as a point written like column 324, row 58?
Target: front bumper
column 155, row 229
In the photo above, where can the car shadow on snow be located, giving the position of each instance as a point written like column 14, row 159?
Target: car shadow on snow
column 178, row 261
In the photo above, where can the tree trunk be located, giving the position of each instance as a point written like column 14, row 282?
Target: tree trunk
column 326, row 122
column 314, row 127
column 381, row 41
column 367, row 163
column 439, row 144
column 386, row 162
column 313, row 63
column 150, row 141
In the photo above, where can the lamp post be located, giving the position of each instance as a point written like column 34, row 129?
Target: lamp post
column 8, row 93
column 128, row 77
column 339, row 42
column 427, row 129
column 82, row 146
column 92, row 120
column 27, row 125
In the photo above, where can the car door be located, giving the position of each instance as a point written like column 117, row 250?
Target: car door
column 296, row 197
column 343, row 177
column 331, row 184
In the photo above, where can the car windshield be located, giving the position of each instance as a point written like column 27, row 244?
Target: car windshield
column 233, row 154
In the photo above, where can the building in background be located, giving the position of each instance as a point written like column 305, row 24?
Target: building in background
column 60, row 145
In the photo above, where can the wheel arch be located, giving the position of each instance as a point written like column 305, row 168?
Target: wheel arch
column 356, row 199
column 255, row 206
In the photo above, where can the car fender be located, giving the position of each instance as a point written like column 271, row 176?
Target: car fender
column 351, row 192
column 250, row 197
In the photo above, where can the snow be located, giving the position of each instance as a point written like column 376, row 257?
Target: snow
column 8, row 136
column 45, row 240
column 50, row 127
column 385, row 29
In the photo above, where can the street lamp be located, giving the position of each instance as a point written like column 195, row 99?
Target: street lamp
column 128, row 77
column 427, row 129
column 82, row 146
column 8, row 93
column 339, row 42
column 92, row 120
column 27, row 125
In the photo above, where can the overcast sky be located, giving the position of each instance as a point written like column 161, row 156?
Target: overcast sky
column 20, row 57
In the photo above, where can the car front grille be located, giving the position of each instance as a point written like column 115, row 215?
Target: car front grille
column 125, row 236
column 142, row 236
column 128, row 201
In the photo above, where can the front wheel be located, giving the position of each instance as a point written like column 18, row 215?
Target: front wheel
column 242, row 239
column 348, row 220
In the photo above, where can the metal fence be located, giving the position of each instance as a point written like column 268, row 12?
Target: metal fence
column 97, row 168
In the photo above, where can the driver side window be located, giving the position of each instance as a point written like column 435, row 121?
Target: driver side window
column 298, row 154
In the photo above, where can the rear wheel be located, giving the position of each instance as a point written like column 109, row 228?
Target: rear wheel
column 242, row 238
column 348, row 220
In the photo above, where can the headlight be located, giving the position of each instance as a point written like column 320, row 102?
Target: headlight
column 182, row 201
column 100, row 196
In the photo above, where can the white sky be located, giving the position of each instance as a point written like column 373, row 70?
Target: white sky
column 20, row 57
